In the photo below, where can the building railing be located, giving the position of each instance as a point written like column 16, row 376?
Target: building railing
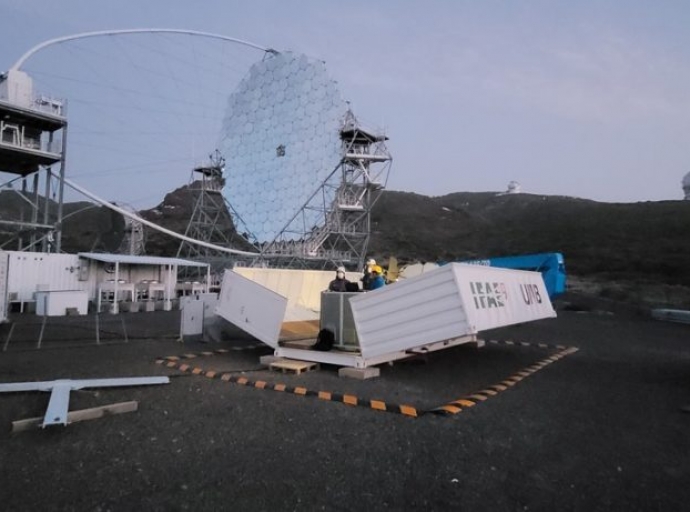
column 50, row 105
column 43, row 103
column 14, row 135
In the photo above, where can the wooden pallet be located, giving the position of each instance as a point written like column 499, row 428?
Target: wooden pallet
column 292, row 366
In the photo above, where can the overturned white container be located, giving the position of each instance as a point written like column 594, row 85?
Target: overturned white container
column 448, row 302
column 441, row 308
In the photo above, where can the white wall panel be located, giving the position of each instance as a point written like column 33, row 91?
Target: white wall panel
column 29, row 271
column 410, row 313
column 55, row 303
column 251, row 307
column 301, row 287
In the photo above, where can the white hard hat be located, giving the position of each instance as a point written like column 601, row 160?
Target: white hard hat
column 340, row 269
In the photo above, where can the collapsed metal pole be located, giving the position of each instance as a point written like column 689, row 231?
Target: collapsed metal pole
column 58, row 405
column 152, row 225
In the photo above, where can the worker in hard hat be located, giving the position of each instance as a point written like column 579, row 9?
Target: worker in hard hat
column 377, row 280
column 340, row 283
column 368, row 274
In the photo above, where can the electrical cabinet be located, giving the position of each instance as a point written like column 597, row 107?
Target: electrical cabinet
column 336, row 316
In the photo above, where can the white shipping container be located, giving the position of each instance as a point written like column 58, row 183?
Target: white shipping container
column 410, row 313
column 435, row 310
column 446, row 303
column 30, row 272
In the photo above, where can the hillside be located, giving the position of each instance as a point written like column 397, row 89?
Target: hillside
column 87, row 226
column 174, row 213
column 649, row 240
column 628, row 248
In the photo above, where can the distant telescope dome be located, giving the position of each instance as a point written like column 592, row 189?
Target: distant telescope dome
column 686, row 186
column 514, row 188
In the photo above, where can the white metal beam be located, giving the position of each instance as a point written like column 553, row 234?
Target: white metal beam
column 152, row 225
column 58, row 406
column 102, row 33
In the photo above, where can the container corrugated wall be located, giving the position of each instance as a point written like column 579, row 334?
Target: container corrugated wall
column 301, row 287
column 449, row 302
column 29, row 271
column 410, row 313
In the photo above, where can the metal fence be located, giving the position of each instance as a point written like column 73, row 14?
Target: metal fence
column 28, row 332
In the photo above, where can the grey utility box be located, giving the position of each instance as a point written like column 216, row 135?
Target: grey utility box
column 197, row 313
column 336, row 316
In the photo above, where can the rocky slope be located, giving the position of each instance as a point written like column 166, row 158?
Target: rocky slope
column 625, row 250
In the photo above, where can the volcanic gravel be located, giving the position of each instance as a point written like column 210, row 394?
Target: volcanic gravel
column 600, row 429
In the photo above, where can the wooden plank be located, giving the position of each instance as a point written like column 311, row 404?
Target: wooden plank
column 299, row 330
column 306, row 344
column 292, row 365
column 80, row 415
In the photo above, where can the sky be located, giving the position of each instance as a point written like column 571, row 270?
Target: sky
column 588, row 99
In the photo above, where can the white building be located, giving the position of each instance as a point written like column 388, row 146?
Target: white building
column 107, row 281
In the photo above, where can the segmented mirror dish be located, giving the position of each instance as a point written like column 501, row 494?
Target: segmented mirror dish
column 281, row 140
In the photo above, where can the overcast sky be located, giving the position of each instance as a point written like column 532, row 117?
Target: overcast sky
column 581, row 98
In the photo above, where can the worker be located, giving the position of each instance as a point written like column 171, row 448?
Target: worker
column 368, row 274
column 377, row 280
column 340, row 283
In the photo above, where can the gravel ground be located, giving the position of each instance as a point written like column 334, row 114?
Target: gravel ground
column 600, row 429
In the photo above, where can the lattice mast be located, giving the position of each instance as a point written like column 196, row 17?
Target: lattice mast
column 344, row 201
column 134, row 240
column 211, row 220
column 364, row 173
column 33, row 135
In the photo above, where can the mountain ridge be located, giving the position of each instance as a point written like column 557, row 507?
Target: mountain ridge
column 640, row 243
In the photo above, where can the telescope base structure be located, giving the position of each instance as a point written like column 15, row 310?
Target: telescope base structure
column 357, row 360
column 439, row 309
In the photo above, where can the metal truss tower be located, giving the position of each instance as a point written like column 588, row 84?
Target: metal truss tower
column 344, row 201
column 212, row 217
column 33, row 136
column 134, row 240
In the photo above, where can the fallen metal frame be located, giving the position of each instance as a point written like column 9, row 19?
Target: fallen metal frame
column 356, row 360
column 58, row 405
